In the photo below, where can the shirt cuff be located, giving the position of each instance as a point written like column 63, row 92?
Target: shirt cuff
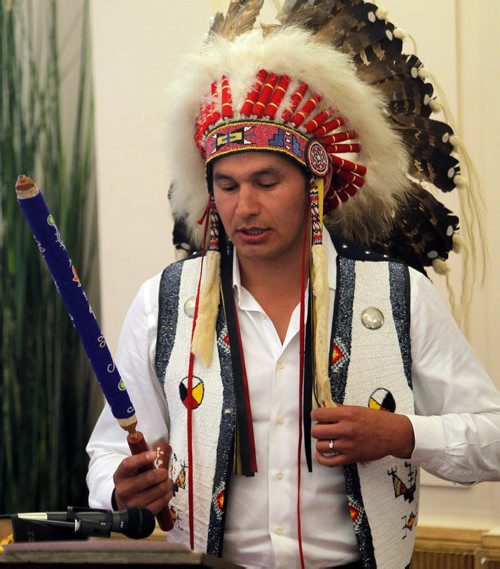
column 103, row 499
column 430, row 439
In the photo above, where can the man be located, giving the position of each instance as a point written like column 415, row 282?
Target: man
column 230, row 354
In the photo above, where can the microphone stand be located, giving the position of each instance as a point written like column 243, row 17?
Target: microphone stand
column 31, row 530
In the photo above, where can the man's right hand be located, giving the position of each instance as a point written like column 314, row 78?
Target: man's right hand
column 136, row 486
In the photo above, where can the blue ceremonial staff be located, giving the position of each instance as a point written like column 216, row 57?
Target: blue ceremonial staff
column 70, row 288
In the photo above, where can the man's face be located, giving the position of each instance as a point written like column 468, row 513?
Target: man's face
column 261, row 199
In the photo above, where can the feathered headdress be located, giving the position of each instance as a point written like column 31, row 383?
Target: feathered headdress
column 315, row 94
column 413, row 226
column 331, row 87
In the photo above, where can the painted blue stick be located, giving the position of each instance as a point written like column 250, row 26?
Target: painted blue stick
column 71, row 290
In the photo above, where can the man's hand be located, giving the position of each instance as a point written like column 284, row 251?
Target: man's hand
column 134, row 486
column 360, row 434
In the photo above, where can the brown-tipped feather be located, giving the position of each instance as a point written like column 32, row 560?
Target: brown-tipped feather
column 306, row 14
column 424, row 225
column 240, row 18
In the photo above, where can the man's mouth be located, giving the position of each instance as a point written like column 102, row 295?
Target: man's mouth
column 252, row 231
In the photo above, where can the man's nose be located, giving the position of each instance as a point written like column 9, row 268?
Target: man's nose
column 247, row 201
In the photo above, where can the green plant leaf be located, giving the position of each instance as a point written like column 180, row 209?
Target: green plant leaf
column 46, row 381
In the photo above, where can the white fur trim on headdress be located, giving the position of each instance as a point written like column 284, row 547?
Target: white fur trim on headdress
column 321, row 294
column 204, row 332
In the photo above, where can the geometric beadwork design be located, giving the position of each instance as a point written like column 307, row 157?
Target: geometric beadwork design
column 339, row 355
column 356, row 511
column 223, row 340
column 218, row 500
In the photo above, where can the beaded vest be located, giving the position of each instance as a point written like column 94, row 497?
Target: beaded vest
column 370, row 365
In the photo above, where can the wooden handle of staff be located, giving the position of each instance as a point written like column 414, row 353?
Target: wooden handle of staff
column 137, row 444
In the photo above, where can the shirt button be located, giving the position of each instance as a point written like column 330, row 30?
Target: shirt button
column 281, row 364
column 279, row 531
column 280, row 420
column 279, row 476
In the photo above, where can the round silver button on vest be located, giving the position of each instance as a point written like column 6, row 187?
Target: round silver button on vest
column 372, row 318
column 189, row 306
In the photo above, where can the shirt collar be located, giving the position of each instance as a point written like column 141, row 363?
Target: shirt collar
column 236, row 277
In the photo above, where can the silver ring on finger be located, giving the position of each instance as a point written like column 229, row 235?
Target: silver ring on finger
column 331, row 446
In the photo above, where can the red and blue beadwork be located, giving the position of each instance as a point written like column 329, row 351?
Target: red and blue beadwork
column 255, row 135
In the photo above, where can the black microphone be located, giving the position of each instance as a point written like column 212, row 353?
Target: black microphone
column 136, row 522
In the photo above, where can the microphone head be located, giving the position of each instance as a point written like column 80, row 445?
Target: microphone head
column 141, row 523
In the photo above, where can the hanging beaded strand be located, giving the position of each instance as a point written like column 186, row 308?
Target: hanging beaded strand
column 316, row 224
column 214, row 225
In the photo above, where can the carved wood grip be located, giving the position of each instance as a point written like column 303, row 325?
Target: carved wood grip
column 137, row 444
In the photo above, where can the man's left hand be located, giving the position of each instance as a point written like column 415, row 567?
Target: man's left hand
column 360, row 434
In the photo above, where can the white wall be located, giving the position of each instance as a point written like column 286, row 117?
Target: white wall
column 136, row 43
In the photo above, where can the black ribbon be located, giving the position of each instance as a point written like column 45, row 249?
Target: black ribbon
column 308, row 383
column 244, row 443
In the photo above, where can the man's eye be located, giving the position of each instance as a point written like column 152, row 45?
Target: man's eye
column 227, row 188
column 267, row 185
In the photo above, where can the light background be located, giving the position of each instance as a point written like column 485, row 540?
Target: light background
column 137, row 43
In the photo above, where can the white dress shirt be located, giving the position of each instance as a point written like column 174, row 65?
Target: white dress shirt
column 456, row 426
column 263, row 508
